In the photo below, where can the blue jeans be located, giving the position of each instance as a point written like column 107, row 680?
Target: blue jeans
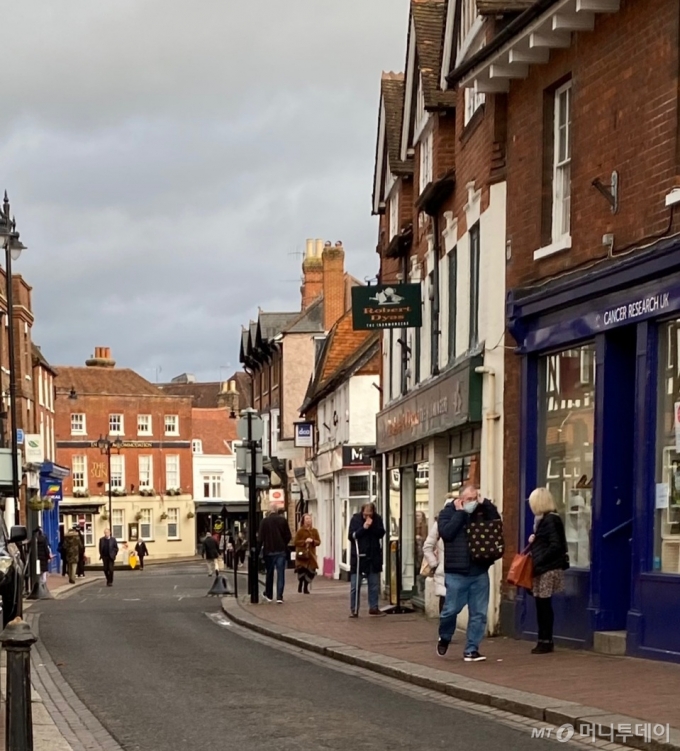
column 275, row 562
column 462, row 590
column 373, row 592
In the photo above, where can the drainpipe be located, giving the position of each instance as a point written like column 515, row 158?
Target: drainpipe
column 491, row 417
column 435, row 303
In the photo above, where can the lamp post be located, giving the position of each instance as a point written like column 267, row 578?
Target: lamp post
column 13, row 247
column 105, row 445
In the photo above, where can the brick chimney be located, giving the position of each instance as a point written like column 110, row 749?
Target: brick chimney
column 101, row 358
column 312, row 273
column 228, row 397
column 333, row 261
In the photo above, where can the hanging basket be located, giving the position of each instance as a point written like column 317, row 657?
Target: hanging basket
column 164, row 516
column 35, row 504
column 190, row 515
column 138, row 517
column 47, row 505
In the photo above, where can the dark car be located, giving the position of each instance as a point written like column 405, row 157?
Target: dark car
column 12, row 569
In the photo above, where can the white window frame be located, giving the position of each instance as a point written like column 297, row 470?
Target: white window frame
column 561, row 188
column 79, row 474
column 173, row 519
column 214, row 483
column 145, row 472
column 394, row 215
column 265, row 435
column 172, row 480
column 426, row 159
column 473, row 101
column 144, row 425
column 119, row 420
column 88, row 527
column 117, row 479
column 78, row 417
column 196, row 446
column 275, row 423
column 146, row 519
column 121, row 537
column 171, row 423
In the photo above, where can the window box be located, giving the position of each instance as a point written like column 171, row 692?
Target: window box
column 147, row 492
column 173, row 491
column 118, row 492
column 81, row 493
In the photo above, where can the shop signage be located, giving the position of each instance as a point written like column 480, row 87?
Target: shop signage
column 33, row 448
column 277, row 497
column 304, row 435
column 386, row 306
column 127, row 444
column 454, row 399
column 357, row 456
column 50, row 489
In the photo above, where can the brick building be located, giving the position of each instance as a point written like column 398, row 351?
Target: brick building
column 151, row 476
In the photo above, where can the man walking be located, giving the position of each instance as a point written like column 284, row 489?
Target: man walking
column 71, row 546
column 274, row 537
column 108, row 550
column 211, row 553
column 142, row 551
column 366, row 530
column 467, row 580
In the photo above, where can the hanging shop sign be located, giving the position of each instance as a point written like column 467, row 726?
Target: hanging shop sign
column 33, row 448
column 304, row 435
column 387, row 306
column 50, row 489
column 357, row 456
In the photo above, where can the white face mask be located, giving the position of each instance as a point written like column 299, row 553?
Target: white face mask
column 470, row 506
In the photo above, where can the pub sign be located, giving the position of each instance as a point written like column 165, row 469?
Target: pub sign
column 387, row 306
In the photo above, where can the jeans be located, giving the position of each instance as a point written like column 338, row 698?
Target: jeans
column 545, row 618
column 462, row 590
column 275, row 562
column 373, row 592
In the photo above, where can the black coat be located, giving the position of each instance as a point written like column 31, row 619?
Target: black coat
column 452, row 525
column 44, row 552
column 370, row 545
column 141, row 549
column 108, row 548
column 211, row 550
column 549, row 549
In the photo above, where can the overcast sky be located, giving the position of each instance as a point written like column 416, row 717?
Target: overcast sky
column 165, row 161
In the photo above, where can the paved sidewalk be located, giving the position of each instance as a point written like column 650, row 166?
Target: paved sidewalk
column 620, row 687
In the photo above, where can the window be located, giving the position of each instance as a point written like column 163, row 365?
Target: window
column 453, row 301
column 359, row 485
column 265, row 435
column 473, row 101
column 171, row 425
column 390, row 354
column 474, row 285
column 566, row 437
column 197, row 446
column 116, row 424
column 117, row 478
column 275, row 433
column 667, row 504
column 212, row 486
column 144, row 425
column 172, row 472
column 145, row 524
column 562, row 164
column 79, row 474
column 461, row 471
column 118, row 524
column 394, row 215
column 173, row 523
column 78, row 424
column 426, row 148
column 145, row 472
column 84, row 521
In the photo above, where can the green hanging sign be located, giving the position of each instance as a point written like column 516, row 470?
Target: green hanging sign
column 387, row 306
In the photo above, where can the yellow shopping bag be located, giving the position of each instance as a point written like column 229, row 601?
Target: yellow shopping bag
column 133, row 560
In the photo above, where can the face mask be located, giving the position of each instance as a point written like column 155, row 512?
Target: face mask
column 470, row 506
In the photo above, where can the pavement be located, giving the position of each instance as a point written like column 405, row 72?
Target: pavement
column 587, row 690
column 153, row 664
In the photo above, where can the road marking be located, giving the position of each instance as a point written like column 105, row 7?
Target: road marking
column 131, row 599
column 219, row 619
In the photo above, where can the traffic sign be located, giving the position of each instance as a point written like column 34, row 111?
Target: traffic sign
column 256, row 426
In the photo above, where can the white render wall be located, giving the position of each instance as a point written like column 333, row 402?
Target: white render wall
column 364, row 405
column 217, row 464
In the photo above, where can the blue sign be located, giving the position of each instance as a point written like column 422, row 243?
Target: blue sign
column 20, row 436
column 50, row 489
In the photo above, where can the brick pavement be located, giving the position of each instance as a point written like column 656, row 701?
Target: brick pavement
column 644, row 689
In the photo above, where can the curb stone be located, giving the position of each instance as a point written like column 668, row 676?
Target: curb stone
column 554, row 712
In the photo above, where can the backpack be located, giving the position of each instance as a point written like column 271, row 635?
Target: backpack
column 485, row 540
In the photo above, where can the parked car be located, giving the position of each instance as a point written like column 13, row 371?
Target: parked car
column 12, row 571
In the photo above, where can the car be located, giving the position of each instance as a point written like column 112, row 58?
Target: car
column 12, row 571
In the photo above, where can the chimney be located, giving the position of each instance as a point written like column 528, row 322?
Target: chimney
column 228, row 396
column 101, row 358
column 312, row 273
column 333, row 262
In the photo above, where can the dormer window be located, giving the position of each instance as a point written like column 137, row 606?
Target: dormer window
column 425, row 164
column 470, row 25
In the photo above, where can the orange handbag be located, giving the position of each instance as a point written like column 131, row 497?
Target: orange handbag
column 521, row 572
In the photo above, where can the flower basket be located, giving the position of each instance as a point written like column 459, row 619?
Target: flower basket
column 104, row 516
column 163, row 516
column 35, row 504
column 190, row 515
column 47, row 505
column 138, row 516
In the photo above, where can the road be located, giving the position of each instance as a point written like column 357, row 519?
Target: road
column 161, row 675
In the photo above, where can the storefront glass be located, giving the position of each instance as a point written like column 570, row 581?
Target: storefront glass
column 667, row 495
column 407, row 547
column 420, row 531
column 567, row 409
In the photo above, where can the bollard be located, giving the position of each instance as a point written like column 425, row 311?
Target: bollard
column 17, row 640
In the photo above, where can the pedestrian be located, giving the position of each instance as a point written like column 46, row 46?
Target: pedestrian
column 60, row 550
column 467, row 579
column 211, row 552
column 366, row 530
column 108, row 550
column 240, row 548
column 71, row 547
column 80, row 568
column 142, row 551
column 44, row 554
column 274, row 536
column 550, row 558
column 306, row 542
column 433, row 552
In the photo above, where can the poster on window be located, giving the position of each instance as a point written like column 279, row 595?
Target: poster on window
column 676, row 411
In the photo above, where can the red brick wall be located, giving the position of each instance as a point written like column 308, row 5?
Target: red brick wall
column 213, row 427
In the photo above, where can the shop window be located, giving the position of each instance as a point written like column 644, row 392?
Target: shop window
column 84, row 521
column 567, row 406
column 462, row 470
column 359, row 485
column 667, row 495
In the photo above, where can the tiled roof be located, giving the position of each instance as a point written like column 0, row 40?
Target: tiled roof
column 310, row 321
column 429, row 19
column 104, row 381
column 393, row 96
column 215, row 429
column 502, row 7
column 272, row 324
column 206, row 395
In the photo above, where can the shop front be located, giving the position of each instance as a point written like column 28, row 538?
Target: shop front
column 600, row 427
column 431, row 442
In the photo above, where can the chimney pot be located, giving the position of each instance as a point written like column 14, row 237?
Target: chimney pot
column 101, row 358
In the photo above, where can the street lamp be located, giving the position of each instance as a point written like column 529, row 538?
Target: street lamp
column 105, row 445
column 13, row 247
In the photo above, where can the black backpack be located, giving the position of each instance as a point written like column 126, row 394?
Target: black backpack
column 485, row 540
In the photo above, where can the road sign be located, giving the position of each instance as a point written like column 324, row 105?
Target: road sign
column 256, row 429
column 20, row 436
column 261, row 481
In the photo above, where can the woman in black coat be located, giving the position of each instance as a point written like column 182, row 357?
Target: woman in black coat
column 550, row 558
column 44, row 553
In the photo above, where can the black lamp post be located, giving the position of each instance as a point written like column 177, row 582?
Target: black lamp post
column 13, row 247
column 105, row 445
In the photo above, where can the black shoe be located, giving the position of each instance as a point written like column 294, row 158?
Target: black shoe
column 353, row 614
column 473, row 657
column 442, row 647
column 305, row 589
column 543, row 648
column 299, row 588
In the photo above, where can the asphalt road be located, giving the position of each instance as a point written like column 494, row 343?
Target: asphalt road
column 145, row 657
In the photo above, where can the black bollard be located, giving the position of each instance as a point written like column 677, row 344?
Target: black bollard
column 17, row 640
column 235, row 575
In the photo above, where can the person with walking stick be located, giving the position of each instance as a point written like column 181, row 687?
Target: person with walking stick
column 366, row 530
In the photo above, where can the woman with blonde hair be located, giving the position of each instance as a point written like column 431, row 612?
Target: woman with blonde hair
column 306, row 542
column 550, row 558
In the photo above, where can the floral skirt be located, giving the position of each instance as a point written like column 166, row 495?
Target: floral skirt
column 305, row 574
column 548, row 584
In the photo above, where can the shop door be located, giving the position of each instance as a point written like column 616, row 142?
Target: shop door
column 613, row 507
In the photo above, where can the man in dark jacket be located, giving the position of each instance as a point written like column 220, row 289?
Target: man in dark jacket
column 108, row 550
column 71, row 547
column 274, row 536
column 211, row 552
column 467, row 580
column 366, row 530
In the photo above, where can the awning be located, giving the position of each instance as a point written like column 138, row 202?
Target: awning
column 79, row 506
column 216, row 508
